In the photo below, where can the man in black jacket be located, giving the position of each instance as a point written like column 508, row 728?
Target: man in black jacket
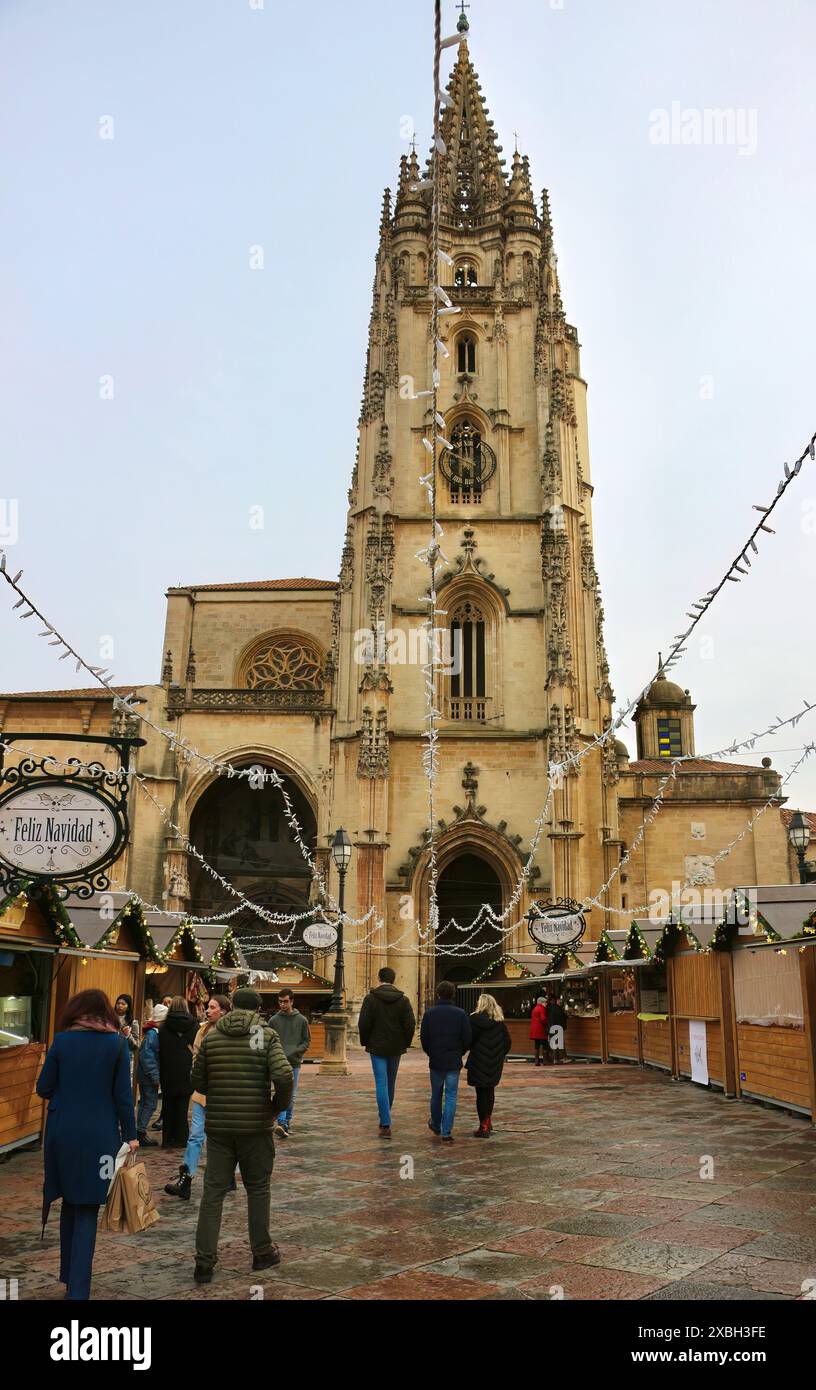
column 445, row 1035
column 387, row 1027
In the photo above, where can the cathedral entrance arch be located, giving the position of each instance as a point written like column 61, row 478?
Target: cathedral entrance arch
column 243, row 832
column 464, row 885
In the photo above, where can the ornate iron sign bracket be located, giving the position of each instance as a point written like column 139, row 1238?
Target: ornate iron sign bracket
column 62, row 822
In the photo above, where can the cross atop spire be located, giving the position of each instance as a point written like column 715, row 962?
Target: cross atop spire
column 462, row 25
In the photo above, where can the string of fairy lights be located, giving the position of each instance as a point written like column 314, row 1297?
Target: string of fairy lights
column 432, row 555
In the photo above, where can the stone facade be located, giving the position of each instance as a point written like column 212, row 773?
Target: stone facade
column 323, row 680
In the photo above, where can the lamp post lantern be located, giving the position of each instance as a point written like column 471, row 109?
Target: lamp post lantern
column 336, row 1020
column 799, row 837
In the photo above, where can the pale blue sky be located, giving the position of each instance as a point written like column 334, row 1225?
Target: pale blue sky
column 280, row 127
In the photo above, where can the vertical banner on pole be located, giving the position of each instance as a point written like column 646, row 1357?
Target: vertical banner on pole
column 699, row 1051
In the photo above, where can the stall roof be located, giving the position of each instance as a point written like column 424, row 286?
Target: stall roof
column 92, row 918
column 786, row 907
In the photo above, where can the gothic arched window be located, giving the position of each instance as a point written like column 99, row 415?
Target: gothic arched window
column 465, row 274
column 468, row 664
column 469, row 465
column 466, row 354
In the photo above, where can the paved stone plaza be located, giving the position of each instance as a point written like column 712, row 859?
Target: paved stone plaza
column 590, row 1185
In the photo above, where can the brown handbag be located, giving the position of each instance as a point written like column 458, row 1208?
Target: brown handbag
column 129, row 1208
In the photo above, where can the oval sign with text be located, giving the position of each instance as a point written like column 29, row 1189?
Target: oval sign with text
column 57, row 830
column 556, row 926
column 320, row 936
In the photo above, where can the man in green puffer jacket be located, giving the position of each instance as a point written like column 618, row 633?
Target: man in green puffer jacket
column 239, row 1065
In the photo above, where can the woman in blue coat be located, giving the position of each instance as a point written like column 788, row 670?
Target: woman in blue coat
column 86, row 1080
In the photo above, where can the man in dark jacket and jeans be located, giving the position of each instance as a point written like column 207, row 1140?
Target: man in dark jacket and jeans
column 295, row 1035
column 238, row 1064
column 387, row 1027
column 445, row 1035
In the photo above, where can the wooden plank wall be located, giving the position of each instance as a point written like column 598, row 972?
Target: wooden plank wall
column 657, row 1044
column 622, row 1035
column 774, row 1063
column 21, row 1110
column 317, row 1047
column 696, row 981
column 583, row 1037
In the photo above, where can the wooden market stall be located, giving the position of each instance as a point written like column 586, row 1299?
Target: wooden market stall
column 774, row 971
column 33, row 929
column 312, row 997
column 180, row 966
column 115, row 948
column 516, row 984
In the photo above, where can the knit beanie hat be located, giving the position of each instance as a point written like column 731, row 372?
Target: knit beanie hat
column 159, row 1013
column 246, row 999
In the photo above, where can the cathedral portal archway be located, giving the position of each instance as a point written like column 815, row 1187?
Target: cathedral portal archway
column 465, row 883
column 243, row 832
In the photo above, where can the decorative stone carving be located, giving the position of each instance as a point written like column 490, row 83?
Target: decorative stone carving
column 167, row 668
column 373, row 760
column 555, row 568
column 699, row 869
column 383, row 480
column 589, row 577
column 285, row 663
column 347, row 560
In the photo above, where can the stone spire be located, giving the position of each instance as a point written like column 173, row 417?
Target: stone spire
column 473, row 178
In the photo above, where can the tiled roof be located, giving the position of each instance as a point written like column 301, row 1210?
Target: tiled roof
column 810, row 817
column 691, row 765
column 96, row 692
column 268, row 584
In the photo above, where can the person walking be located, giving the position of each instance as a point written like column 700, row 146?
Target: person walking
column 491, row 1044
column 445, row 1035
column 557, row 1025
column 148, row 1075
column 239, row 1065
column 387, row 1026
column 295, row 1035
column 217, row 1007
column 538, row 1028
column 86, row 1080
column 176, row 1037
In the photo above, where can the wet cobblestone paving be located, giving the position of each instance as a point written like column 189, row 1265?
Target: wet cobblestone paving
column 589, row 1189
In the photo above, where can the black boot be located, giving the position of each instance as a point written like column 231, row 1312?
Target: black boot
column 182, row 1186
column 147, row 1143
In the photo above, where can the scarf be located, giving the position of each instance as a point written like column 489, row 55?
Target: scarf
column 92, row 1025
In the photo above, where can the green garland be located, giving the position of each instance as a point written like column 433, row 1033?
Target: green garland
column 606, row 949
column 637, row 947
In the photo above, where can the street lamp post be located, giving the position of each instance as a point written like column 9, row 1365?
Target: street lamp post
column 799, row 837
column 336, row 1020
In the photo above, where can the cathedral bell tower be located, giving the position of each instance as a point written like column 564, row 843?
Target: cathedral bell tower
column 527, row 678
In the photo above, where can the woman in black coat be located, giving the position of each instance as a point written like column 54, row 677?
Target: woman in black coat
column 491, row 1044
column 176, row 1038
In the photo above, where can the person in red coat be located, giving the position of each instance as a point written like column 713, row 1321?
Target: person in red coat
column 538, row 1028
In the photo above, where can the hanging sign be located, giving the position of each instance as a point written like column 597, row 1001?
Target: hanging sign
column 63, row 826
column 556, row 924
column 56, row 831
column 321, row 936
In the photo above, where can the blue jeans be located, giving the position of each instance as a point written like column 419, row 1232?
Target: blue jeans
column 196, row 1141
column 148, row 1100
column 285, row 1116
column 385, row 1084
column 447, row 1081
column 77, row 1242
